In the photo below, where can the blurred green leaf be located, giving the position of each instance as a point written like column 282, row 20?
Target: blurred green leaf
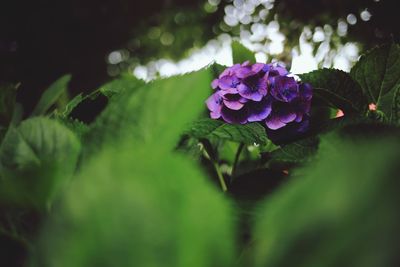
column 146, row 114
column 247, row 133
column 51, row 95
column 378, row 73
column 36, row 160
column 240, row 53
column 341, row 210
column 133, row 207
column 337, row 89
column 7, row 103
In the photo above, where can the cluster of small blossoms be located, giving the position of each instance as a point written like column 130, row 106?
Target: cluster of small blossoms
column 259, row 92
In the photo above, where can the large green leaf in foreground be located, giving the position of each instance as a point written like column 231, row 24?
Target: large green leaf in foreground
column 136, row 203
column 155, row 113
column 133, row 207
column 36, row 160
column 342, row 210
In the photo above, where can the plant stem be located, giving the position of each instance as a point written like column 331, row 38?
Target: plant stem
column 237, row 156
column 210, row 155
column 220, row 176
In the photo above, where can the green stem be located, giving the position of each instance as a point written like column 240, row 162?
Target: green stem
column 237, row 156
column 210, row 156
column 220, row 177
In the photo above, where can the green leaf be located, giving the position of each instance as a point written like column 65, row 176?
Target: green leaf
column 396, row 107
column 71, row 105
column 119, row 85
column 247, row 133
column 240, row 53
column 295, row 152
column 7, row 104
column 337, row 89
column 51, row 95
column 145, row 114
column 326, row 212
column 134, row 205
column 378, row 73
column 36, row 160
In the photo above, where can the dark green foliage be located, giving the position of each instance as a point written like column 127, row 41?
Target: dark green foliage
column 7, row 104
column 51, row 95
column 295, row 152
column 337, row 89
column 328, row 196
column 37, row 158
column 378, row 73
column 248, row 134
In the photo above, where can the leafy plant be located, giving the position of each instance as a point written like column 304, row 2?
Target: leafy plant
column 137, row 185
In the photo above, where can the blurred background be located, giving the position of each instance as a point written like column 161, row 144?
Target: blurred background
column 98, row 40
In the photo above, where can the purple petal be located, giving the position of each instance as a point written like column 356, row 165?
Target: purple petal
column 227, row 82
column 246, row 92
column 284, row 88
column 305, row 91
column 215, row 114
column 214, row 84
column 228, row 91
column 259, row 110
column 235, row 105
column 229, row 71
column 214, row 102
column 274, row 123
column 257, row 67
column 299, row 117
column 263, row 85
column 287, row 117
column 234, row 116
column 244, row 72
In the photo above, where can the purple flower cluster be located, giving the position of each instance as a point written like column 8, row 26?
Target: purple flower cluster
column 259, row 92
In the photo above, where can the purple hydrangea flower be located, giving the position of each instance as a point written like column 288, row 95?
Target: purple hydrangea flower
column 259, row 92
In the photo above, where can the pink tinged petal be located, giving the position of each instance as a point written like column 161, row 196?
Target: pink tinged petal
column 274, row 123
column 214, row 84
column 246, row 63
column 235, row 105
column 214, row 102
column 215, row 115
